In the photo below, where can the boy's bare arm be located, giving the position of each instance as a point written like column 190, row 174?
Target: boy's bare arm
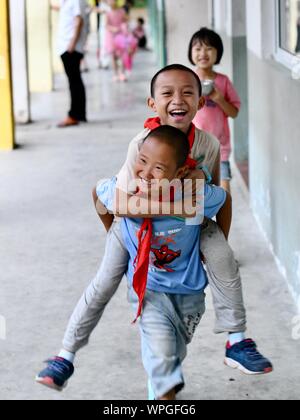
column 106, row 218
column 224, row 216
column 216, row 176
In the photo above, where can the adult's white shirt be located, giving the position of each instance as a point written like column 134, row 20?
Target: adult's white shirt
column 69, row 10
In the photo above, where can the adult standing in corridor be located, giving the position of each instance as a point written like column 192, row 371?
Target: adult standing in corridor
column 73, row 30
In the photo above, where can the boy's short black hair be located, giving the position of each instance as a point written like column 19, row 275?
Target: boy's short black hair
column 171, row 67
column 141, row 20
column 208, row 37
column 174, row 138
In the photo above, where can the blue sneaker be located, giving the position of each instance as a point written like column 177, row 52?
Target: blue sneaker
column 56, row 374
column 245, row 357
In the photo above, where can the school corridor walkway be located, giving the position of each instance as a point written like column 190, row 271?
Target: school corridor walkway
column 51, row 243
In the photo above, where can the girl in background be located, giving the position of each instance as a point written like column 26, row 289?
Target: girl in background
column 114, row 20
column 126, row 46
column 222, row 101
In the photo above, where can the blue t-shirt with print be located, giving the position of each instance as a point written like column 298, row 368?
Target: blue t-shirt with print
column 175, row 262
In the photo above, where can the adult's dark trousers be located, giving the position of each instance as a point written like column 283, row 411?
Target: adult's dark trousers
column 71, row 62
column 297, row 50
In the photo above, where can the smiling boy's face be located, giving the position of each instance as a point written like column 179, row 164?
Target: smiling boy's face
column 176, row 99
column 156, row 162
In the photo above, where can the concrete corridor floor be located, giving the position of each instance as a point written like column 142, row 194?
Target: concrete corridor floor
column 51, row 244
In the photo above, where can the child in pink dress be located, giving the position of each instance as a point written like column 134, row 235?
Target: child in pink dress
column 126, row 46
column 205, row 51
column 114, row 20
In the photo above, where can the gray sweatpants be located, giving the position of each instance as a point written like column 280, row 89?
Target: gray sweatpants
column 221, row 267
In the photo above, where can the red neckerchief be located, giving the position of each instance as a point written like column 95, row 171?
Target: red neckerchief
column 145, row 233
column 142, row 263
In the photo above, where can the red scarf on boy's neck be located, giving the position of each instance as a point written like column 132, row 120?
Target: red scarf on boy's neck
column 145, row 233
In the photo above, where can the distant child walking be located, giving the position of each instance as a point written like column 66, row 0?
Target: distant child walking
column 139, row 33
column 114, row 21
column 222, row 101
column 126, row 46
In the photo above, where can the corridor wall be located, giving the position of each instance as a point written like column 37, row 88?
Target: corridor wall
column 183, row 19
column 230, row 23
column 274, row 127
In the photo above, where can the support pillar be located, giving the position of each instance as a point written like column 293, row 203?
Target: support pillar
column 7, row 134
column 39, row 45
column 19, row 61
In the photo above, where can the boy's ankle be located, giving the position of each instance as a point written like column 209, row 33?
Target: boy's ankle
column 235, row 338
column 67, row 355
column 170, row 396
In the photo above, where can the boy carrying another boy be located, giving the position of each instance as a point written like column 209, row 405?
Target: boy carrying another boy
column 176, row 98
column 169, row 294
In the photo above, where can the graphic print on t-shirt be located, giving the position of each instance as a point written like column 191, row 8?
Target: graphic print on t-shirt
column 163, row 256
column 161, row 253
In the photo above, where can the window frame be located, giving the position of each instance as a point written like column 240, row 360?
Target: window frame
column 287, row 58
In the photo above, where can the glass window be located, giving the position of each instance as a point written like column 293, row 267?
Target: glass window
column 289, row 34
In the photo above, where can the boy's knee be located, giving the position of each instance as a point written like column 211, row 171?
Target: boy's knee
column 219, row 257
column 225, row 269
column 163, row 350
column 221, row 263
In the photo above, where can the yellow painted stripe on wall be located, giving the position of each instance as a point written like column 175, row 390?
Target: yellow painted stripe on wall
column 7, row 140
